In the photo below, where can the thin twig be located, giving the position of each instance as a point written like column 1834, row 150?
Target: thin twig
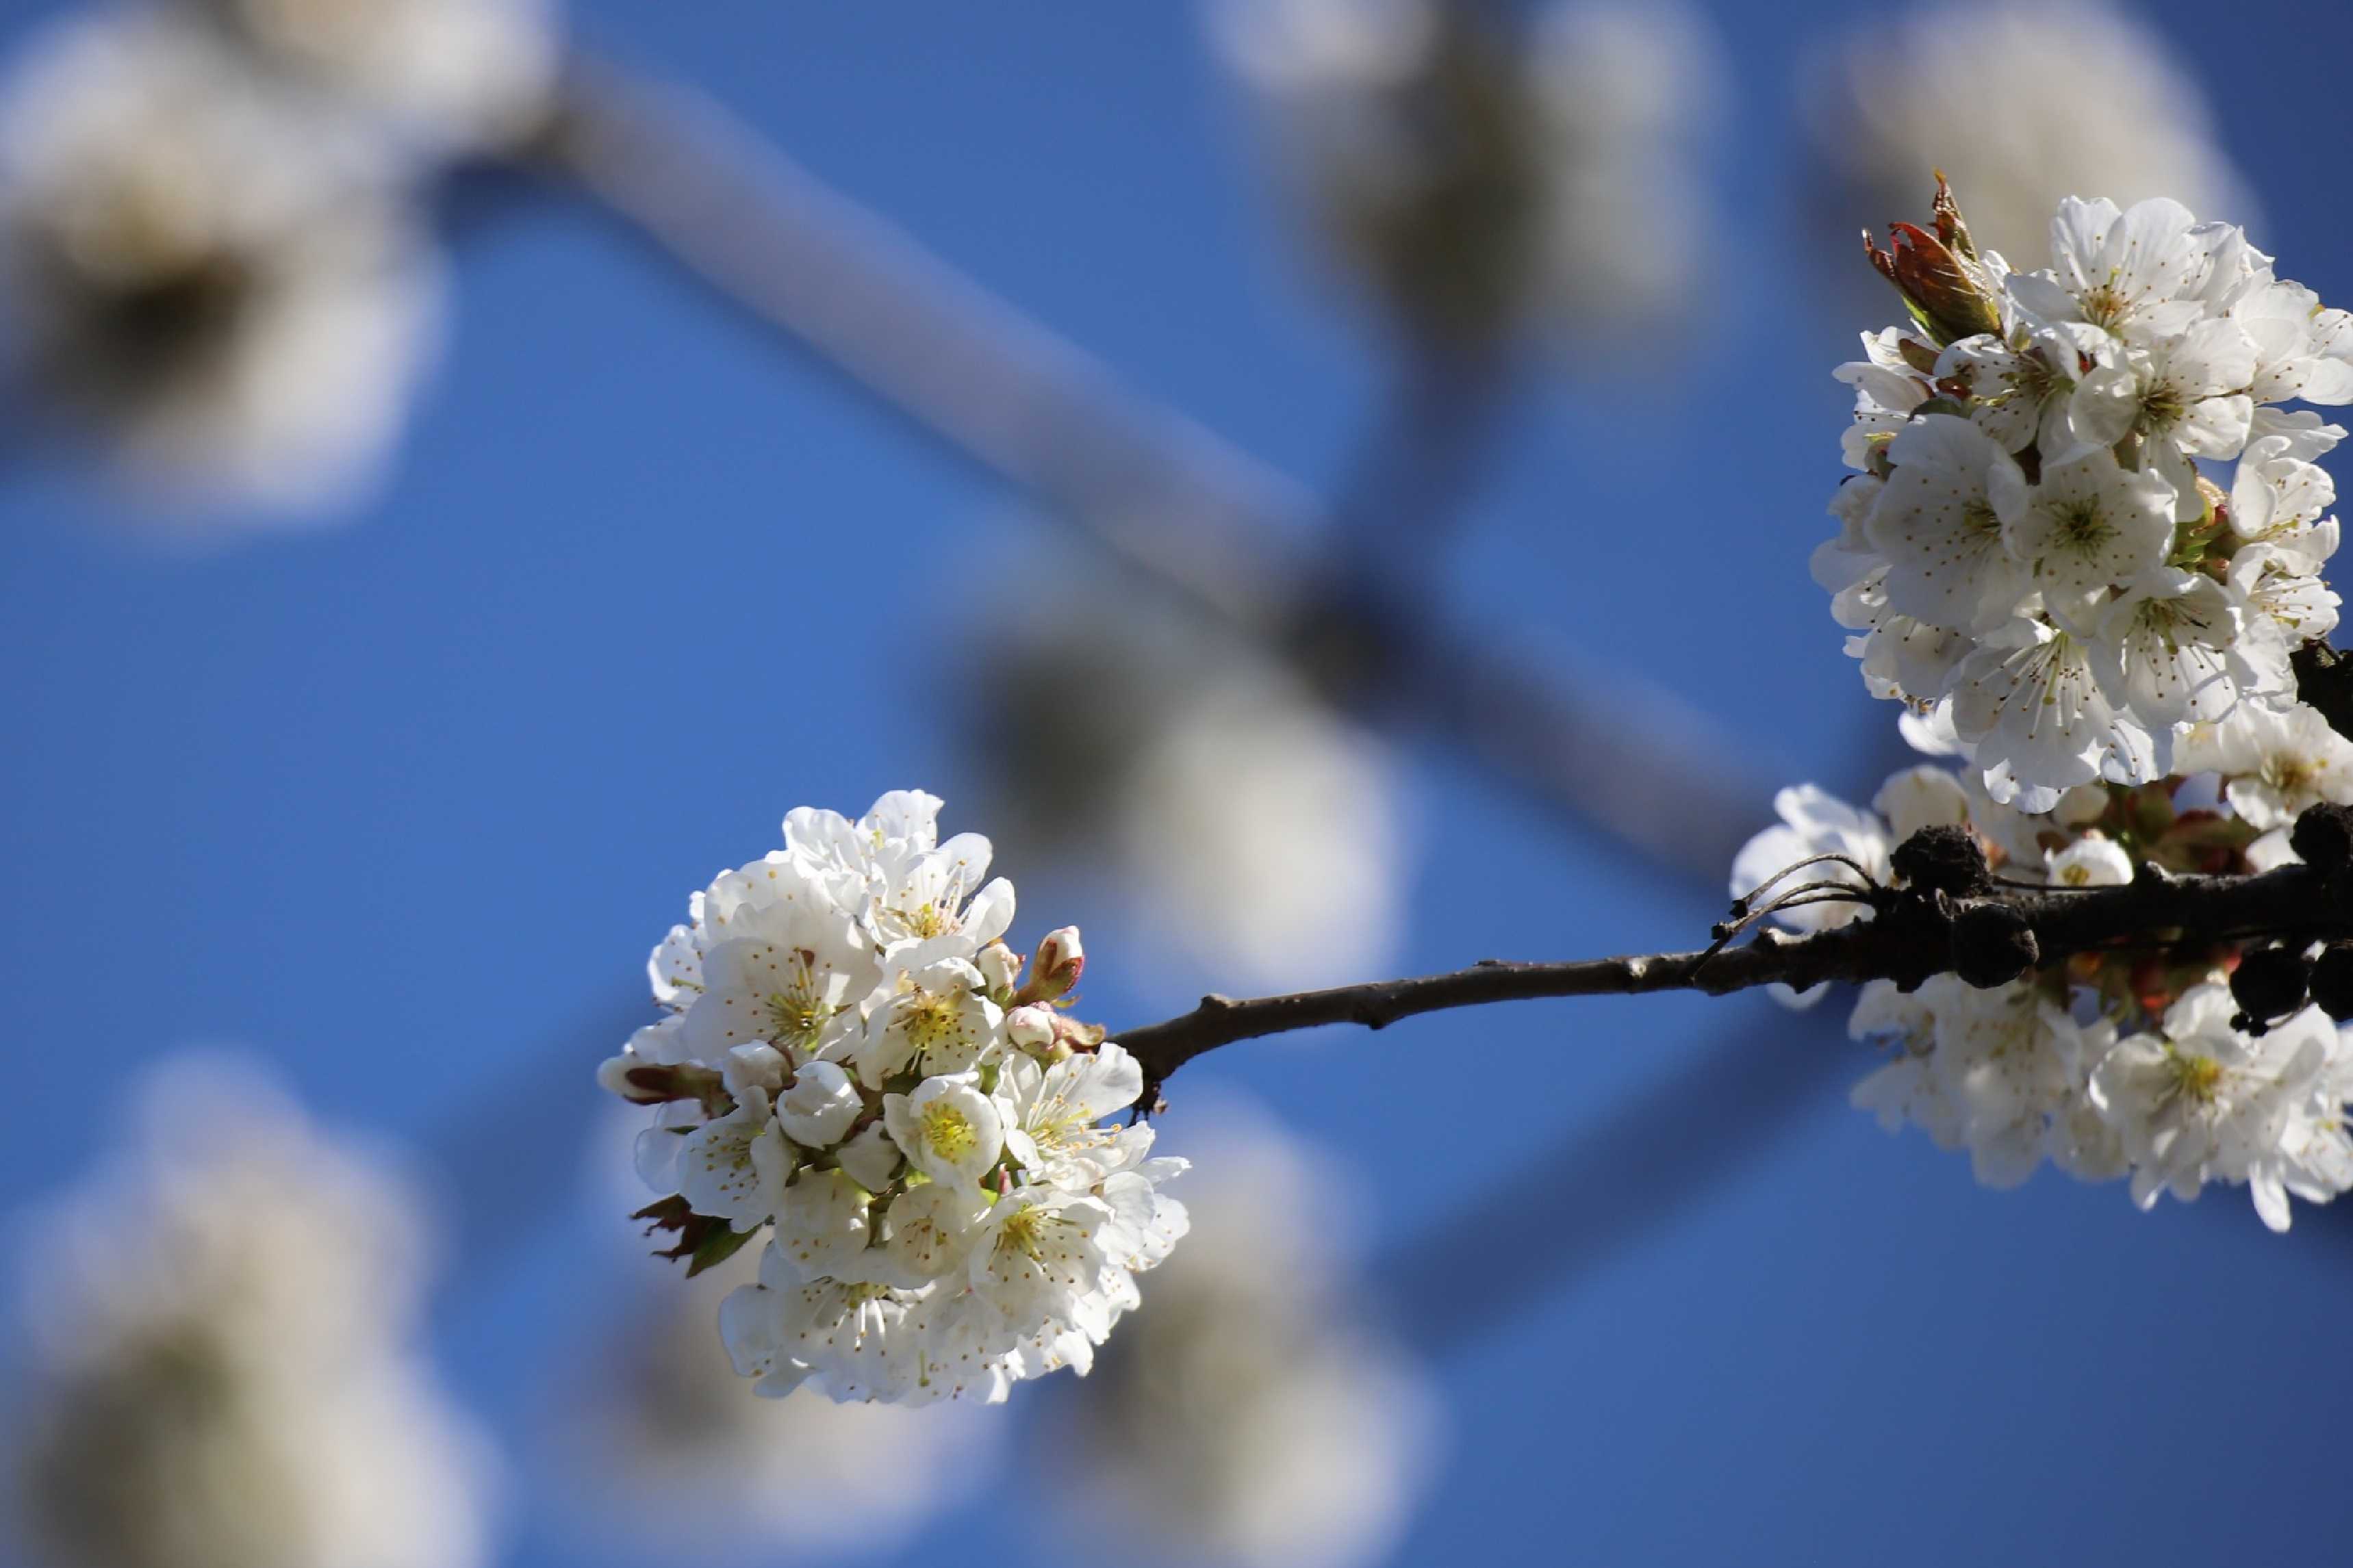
column 1911, row 939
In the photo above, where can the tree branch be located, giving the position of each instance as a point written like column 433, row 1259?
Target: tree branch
column 1916, row 934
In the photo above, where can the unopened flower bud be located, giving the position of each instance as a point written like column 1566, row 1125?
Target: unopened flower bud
column 1946, row 214
column 1936, row 276
column 1001, row 968
column 613, row 1078
column 1056, row 968
column 1036, row 1030
column 655, row 1083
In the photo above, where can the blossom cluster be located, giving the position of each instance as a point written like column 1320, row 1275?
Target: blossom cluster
column 853, row 1060
column 2116, row 1064
column 228, row 1372
column 2030, row 556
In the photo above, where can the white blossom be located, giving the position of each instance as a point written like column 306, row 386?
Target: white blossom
column 734, row 1167
column 823, row 1228
column 870, row 1157
column 1981, row 1070
column 2084, row 525
column 931, row 1229
column 1918, row 797
column 1935, row 523
column 2068, row 1063
column 2180, row 398
column 936, row 1019
column 2201, row 1101
column 947, row 1128
column 948, row 1217
column 2169, row 650
column 2030, row 557
column 2023, row 386
column 2094, row 860
column 2279, row 762
column 1053, row 1116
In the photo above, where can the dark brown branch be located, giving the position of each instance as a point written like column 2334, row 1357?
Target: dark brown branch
column 1914, row 934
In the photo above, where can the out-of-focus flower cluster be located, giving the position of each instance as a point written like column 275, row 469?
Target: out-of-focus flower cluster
column 222, row 1326
column 1250, row 1414
column 213, row 264
column 1484, row 172
column 1232, row 808
column 2145, row 1063
column 671, row 1452
column 2030, row 557
column 1892, row 98
column 854, row 1058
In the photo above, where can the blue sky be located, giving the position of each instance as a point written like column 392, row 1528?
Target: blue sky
column 400, row 805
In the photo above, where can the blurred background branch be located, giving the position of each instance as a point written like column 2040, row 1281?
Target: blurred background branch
column 1236, row 541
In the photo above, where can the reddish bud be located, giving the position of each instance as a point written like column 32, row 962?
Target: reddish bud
column 1056, row 970
column 1934, row 274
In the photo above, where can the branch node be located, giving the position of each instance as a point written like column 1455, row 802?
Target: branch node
column 2322, row 836
column 1946, row 860
column 1992, row 945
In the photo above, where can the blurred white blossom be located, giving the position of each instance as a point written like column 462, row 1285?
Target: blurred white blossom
column 1249, row 1414
column 1265, row 830
column 225, row 1371
column 672, row 1450
column 448, row 74
column 1629, row 95
column 1246, row 822
column 211, row 277
column 1486, row 172
column 1996, row 95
